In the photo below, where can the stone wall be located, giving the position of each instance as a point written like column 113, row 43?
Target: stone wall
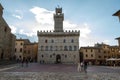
column 51, row 46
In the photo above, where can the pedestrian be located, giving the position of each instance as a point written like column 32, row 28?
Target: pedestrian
column 79, row 67
column 85, row 67
column 22, row 61
column 26, row 61
column 82, row 65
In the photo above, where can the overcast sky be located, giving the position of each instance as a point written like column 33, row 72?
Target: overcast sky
column 92, row 17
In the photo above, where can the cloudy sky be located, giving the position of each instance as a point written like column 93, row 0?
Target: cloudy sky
column 92, row 17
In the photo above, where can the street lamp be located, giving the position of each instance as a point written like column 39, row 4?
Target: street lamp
column 117, row 14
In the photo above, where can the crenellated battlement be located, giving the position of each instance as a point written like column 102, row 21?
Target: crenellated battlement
column 53, row 33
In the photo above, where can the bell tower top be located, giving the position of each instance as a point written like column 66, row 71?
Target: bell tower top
column 58, row 10
column 58, row 20
column 1, row 10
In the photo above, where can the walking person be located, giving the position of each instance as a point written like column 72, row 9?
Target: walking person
column 82, row 66
column 26, row 61
column 79, row 67
column 85, row 66
column 22, row 61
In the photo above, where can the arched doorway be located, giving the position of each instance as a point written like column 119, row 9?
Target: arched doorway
column 2, row 54
column 58, row 58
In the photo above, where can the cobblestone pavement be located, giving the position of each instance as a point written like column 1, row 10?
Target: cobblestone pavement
column 37, row 71
column 57, row 76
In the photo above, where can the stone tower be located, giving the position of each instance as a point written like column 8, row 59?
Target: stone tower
column 1, row 10
column 58, row 46
column 58, row 20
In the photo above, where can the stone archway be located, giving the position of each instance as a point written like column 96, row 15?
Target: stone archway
column 58, row 58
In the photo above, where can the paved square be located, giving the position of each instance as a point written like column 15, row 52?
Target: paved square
column 37, row 71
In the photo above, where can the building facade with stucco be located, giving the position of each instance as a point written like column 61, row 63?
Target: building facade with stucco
column 58, row 46
column 19, row 47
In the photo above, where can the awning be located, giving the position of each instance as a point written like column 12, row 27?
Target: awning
column 113, row 59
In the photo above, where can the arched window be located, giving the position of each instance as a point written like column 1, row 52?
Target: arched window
column 46, row 48
column 61, row 48
column 41, row 48
column 72, row 41
column 56, row 48
column 74, row 56
column 75, row 48
column 50, row 56
column 42, row 56
column 51, row 48
column 15, row 50
column 70, row 48
column 65, row 48
column 46, row 41
column 20, row 49
column 52, row 41
column 5, row 29
column 65, row 56
column 64, row 41
column 21, row 43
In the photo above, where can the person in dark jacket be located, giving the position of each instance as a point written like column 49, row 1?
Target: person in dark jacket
column 26, row 61
column 85, row 66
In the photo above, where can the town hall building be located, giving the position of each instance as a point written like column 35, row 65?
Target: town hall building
column 58, row 46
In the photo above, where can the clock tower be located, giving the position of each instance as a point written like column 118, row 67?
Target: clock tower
column 58, row 20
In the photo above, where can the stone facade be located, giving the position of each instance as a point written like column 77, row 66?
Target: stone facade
column 58, row 46
column 7, row 39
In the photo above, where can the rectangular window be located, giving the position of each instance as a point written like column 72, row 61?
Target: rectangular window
column 46, row 48
column 60, row 47
column 70, row 48
column 64, row 41
column 15, row 49
column 91, row 55
column 24, row 51
column 51, row 48
column 99, row 51
column 20, row 49
column 41, row 48
column 65, row 48
column 91, row 50
column 28, row 51
column 104, row 56
column 99, row 56
column 86, row 55
column 21, row 44
column 56, row 48
column 75, row 48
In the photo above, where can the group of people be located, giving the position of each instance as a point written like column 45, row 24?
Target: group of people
column 24, row 60
column 82, row 67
